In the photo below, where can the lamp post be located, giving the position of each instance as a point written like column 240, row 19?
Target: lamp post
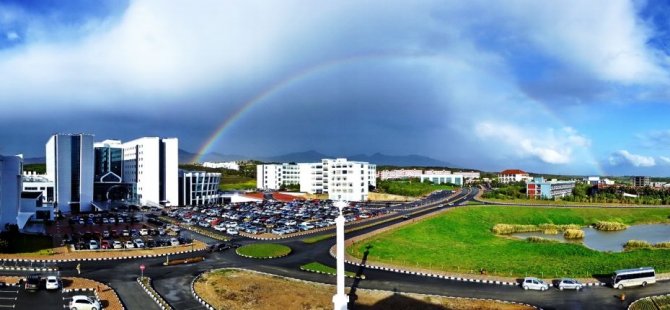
column 340, row 300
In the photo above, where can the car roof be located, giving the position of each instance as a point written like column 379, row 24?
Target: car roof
column 81, row 297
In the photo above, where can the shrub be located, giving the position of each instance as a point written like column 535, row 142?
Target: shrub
column 610, row 226
column 636, row 244
column 550, row 231
column 662, row 245
column 535, row 239
column 573, row 234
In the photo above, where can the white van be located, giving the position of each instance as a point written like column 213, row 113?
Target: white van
column 633, row 277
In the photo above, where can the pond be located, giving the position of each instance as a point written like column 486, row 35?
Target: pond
column 612, row 240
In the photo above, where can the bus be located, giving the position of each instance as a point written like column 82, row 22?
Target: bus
column 633, row 277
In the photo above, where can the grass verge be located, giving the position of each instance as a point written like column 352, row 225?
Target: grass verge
column 264, row 250
column 321, row 268
column 461, row 241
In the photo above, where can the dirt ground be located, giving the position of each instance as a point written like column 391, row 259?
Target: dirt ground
column 233, row 289
column 388, row 197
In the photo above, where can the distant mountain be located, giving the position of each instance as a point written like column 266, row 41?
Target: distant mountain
column 186, row 157
column 402, row 160
column 299, row 157
column 35, row 160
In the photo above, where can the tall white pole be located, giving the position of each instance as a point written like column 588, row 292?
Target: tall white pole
column 340, row 300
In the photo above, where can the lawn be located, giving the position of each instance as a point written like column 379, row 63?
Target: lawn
column 461, row 241
column 234, row 182
column 652, row 303
column 319, row 267
column 264, row 250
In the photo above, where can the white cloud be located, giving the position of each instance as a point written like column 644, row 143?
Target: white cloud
column 548, row 145
column 623, row 157
column 664, row 160
column 12, row 36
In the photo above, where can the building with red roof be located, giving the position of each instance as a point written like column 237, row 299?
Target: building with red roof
column 513, row 175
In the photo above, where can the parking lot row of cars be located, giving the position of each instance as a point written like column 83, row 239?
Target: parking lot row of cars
column 269, row 216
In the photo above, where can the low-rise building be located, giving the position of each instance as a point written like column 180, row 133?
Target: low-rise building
column 456, row 179
column 399, row 174
column 230, row 165
column 275, row 176
column 513, row 175
column 33, row 182
column 640, row 181
column 198, row 188
column 539, row 188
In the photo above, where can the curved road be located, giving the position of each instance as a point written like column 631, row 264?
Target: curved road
column 173, row 282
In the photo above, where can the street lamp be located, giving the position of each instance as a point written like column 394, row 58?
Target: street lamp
column 340, row 300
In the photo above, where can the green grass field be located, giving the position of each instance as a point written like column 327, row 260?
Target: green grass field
column 461, row 240
column 316, row 266
column 412, row 188
column 652, row 303
column 264, row 250
column 232, row 182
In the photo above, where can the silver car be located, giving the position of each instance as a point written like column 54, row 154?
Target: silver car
column 531, row 283
column 570, row 284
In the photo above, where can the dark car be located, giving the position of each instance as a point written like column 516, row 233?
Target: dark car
column 33, row 282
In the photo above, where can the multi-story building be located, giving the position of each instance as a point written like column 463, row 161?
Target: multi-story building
column 152, row 164
column 399, row 174
column 274, row 176
column 640, row 181
column 513, row 175
column 198, row 188
column 231, row 165
column 10, row 189
column 469, row 176
column 69, row 160
column 311, row 178
column 441, row 178
column 33, row 182
column 539, row 188
column 108, row 166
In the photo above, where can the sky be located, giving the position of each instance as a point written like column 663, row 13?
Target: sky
column 566, row 87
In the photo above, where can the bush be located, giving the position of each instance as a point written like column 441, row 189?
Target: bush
column 506, row 229
column 662, row 245
column 573, row 234
column 636, row 244
column 610, row 226
column 550, row 231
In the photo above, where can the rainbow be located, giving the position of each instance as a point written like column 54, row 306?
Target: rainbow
column 313, row 69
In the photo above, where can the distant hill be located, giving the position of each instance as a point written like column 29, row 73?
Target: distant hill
column 400, row 160
column 298, row 157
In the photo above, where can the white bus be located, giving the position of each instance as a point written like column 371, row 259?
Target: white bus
column 633, row 277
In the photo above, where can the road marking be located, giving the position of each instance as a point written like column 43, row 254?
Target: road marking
column 9, row 292
column 8, row 298
column 7, row 306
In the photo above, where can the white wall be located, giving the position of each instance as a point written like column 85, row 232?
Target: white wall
column 10, row 189
column 171, row 171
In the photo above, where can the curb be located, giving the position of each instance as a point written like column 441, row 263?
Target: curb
column 208, row 306
column 362, row 277
column 32, row 269
column 157, row 298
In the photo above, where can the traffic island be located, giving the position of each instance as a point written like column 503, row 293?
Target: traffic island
column 190, row 260
column 145, row 283
column 104, row 293
column 263, row 250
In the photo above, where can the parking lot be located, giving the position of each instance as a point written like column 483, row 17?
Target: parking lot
column 270, row 216
column 17, row 297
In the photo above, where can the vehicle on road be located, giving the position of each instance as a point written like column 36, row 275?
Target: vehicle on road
column 174, row 242
column 83, row 302
column 569, row 284
column 633, row 277
column 530, row 283
column 52, row 283
column 33, row 282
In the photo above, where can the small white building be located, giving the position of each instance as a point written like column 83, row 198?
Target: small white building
column 33, row 182
column 230, row 165
column 152, row 163
column 456, row 179
column 197, row 188
column 69, row 161
column 513, row 175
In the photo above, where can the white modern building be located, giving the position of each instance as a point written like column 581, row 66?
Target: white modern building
column 231, row 165
column 399, row 174
column 10, row 188
column 539, row 188
column 442, row 178
column 197, row 188
column 69, row 160
column 33, row 182
column 513, row 175
column 273, row 176
column 152, row 163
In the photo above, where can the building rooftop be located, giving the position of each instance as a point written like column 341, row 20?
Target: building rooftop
column 513, row 171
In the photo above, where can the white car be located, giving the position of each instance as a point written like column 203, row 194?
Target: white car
column 93, row 245
column 569, row 284
column 129, row 245
column 139, row 243
column 52, row 283
column 231, row 224
column 531, row 283
column 144, row 232
column 174, row 241
column 83, row 302
column 117, row 244
column 232, row 231
column 220, row 227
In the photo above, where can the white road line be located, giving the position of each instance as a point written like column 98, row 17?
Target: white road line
column 9, row 292
column 7, row 306
column 8, row 298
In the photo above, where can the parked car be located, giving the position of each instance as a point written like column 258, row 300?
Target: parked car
column 33, row 282
column 144, row 232
column 129, row 245
column 174, row 241
column 105, row 244
column 52, row 283
column 530, row 283
column 93, row 245
column 139, row 243
column 569, row 284
column 232, row 231
column 117, row 244
column 83, row 302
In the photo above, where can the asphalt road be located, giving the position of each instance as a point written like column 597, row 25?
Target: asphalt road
column 173, row 282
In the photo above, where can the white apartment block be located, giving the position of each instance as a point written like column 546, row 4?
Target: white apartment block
column 10, row 188
column 231, row 165
column 152, row 163
column 339, row 178
column 399, row 174
column 273, row 176
column 69, row 160
column 197, row 188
